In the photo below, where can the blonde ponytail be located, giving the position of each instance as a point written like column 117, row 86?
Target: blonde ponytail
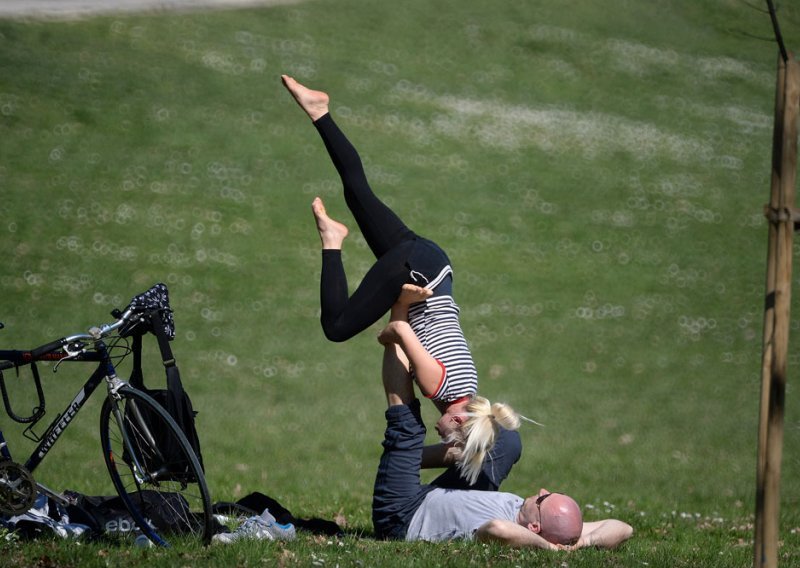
column 479, row 433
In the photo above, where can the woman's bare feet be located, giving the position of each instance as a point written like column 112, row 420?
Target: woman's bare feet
column 331, row 233
column 315, row 103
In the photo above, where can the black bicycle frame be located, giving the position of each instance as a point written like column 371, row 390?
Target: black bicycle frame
column 59, row 425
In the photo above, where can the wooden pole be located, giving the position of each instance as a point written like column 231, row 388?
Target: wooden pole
column 769, row 310
column 776, row 318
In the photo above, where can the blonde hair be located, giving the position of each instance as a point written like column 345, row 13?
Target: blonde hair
column 477, row 434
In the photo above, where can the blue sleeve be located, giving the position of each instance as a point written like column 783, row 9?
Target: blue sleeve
column 496, row 467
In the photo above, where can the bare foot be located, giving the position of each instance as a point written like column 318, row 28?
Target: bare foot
column 331, row 233
column 391, row 333
column 315, row 103
column 411, row 294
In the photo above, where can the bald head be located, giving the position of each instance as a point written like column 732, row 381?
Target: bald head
column 561, row 521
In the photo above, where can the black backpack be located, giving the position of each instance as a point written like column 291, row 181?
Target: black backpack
column 109, row 515
column 154, row 316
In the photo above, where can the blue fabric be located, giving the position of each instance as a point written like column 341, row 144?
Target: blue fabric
column 496, row 467
column 426, row 262
column 398, row 491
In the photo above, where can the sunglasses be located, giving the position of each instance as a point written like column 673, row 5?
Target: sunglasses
column 539, row 500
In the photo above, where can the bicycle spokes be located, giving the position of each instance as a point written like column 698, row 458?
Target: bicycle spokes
column 154, row 468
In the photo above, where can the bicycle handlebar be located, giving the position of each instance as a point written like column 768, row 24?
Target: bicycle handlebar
column 47, row 348
column 95, row 333
column 106, row 328
column 70, row 347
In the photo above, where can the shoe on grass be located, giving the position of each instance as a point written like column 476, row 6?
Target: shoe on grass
column 258, row 527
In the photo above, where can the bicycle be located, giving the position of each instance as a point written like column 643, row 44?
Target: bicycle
column 151, row 463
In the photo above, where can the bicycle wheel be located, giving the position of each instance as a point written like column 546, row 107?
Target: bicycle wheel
column 154, row 469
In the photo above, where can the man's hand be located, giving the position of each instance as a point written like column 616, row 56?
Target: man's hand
column 411, row 294
column 394, row 332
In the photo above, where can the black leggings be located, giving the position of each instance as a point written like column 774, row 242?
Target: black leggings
column 387, row 236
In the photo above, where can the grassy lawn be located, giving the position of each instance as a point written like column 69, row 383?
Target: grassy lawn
column 595, row 170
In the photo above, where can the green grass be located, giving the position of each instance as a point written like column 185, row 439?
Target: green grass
column 596, row 172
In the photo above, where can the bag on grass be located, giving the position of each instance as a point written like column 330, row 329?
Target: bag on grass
column 109, row 516
column 154, row 315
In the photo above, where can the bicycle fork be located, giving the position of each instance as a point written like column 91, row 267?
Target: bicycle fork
column 132, row 424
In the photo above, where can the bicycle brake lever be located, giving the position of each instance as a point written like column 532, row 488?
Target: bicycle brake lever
column 72, row 350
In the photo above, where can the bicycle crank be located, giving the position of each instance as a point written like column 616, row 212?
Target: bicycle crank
column 17, row 488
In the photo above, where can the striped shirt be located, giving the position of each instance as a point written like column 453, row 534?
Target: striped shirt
column 435, row 322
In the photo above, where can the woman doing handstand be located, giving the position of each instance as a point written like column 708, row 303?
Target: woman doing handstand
column 412, row 278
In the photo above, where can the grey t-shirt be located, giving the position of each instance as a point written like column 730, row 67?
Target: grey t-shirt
column 449, row 514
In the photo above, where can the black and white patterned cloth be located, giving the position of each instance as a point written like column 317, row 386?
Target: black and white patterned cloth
column 42, row 518
column 156, row 298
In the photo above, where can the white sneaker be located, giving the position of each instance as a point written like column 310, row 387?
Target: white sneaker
column 258, row 527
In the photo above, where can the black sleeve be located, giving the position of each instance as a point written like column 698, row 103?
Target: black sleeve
column 496, row 467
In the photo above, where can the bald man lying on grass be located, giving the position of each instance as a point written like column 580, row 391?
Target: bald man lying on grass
column 405, row 509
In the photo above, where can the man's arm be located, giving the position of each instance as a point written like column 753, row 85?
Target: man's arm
column 439, row 455
column 511, row 534
column 427, row 370
column 603, row 534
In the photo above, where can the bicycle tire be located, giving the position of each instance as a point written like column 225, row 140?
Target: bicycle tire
column 165, row 506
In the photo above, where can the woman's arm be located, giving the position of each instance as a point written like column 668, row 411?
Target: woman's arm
column 428, row 371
